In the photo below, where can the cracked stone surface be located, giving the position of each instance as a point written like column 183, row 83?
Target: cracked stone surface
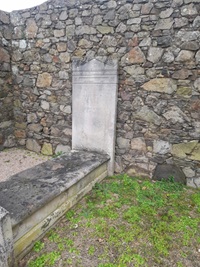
column 25, row 192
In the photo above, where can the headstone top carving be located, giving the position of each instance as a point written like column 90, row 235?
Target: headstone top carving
column 95, row 64
column 90, row 71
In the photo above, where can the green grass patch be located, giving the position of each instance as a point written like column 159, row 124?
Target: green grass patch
column 126, row 221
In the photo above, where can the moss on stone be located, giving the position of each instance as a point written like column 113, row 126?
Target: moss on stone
column 47, row 149
column 196, row 153
column 183, row 149
column 184, row 91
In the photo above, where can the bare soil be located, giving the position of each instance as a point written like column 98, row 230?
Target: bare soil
column 15, row 160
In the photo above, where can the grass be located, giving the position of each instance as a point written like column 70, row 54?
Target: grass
column 126, row 222
column 58, row 154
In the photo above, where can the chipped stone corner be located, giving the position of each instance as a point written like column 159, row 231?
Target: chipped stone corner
column 6, row 240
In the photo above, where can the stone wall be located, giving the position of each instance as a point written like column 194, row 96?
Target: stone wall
column 6, row 94
column 157, row 45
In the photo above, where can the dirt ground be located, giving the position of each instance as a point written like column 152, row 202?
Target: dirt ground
column 15, row 160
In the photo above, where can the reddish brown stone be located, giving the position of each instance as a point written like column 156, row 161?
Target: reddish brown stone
column 195, row 105
column 1, row 139
column 20, row 134
column 135, row 56
column 125, row 95
column 26, row 68
column 157, row 33
column 33, row 98
column 133, row 42
column 4, row 55
column 55, row 59
column 165, row 132
column 43, row 122
column 129, row 82
column 39, row 43
column 146, row 8
column 31, row 28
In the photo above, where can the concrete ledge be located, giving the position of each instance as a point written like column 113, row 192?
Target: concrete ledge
column 38, row 197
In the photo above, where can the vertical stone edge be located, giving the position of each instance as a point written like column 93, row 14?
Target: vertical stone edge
column 111, row 164
column 6, row 240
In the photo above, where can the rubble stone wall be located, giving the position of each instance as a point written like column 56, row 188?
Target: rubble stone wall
column 6, row 91
column 157, row 46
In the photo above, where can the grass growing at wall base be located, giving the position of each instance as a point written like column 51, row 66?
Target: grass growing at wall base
column 126, row 222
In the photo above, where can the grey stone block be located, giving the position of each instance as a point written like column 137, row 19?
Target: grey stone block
column 164, row 171
column 27, row 191
column 6, row 239
column 36, row 198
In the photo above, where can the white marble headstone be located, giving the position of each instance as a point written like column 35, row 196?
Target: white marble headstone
column 94, row 107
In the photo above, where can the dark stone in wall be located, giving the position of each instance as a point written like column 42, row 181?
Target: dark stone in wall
column 164, row 41
column 167, row 171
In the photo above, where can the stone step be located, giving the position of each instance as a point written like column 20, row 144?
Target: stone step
column 36, row 198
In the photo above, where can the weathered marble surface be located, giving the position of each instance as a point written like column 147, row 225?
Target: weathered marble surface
column 94, row 105
column 31, row 189
column 6, row 239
